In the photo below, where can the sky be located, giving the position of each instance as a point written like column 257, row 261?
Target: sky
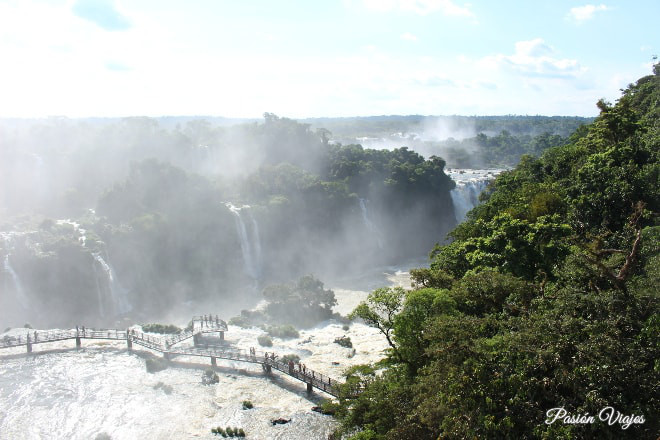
column 301, row 58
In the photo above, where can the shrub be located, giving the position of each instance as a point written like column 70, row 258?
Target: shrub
column 163, row 329
column 344, row 341
column 241, row 433
column 155, row 365
column 265, row 341
column 229, row 431
column 282, row 331
column 209, row 377
column 291, row 357
column 247, row 404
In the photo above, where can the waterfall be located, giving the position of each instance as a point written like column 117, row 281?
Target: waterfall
column 367, row 222
column 99, row 292
column 250, row 241
column 18, row 287
column 118, row 295
column 469, row 184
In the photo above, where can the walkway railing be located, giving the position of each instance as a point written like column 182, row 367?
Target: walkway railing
column 166, row 346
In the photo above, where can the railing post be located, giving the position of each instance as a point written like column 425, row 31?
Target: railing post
column 213, row 361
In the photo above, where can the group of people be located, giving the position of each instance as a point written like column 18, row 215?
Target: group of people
column 209, row 319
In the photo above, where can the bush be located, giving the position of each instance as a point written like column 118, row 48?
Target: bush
column 282, row 331
column 163, row 329
column 229, row 431
column 265, row 341
column 27, row 325
column 210, row 377
column 248, row 318
column 155, row 365
column 344, row 341
column 247, row 404
column 219, row 431
column 291, row 357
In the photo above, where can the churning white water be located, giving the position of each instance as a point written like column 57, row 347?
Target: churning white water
column 469, row 184
column 103, row 391
column 250, row 241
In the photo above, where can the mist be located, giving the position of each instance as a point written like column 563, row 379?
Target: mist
column 139, row 219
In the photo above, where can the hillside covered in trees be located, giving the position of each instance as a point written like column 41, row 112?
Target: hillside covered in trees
column 546, row 298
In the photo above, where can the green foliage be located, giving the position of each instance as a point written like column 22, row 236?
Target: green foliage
column 247, row 404
column 282, row 331
column 290, row 357
column 210, row 377
column 379, row 310
column 546, row 298
column 265, row 340
column 166, row 329
column 304, row 302
column 344, row 341
column 155, row 365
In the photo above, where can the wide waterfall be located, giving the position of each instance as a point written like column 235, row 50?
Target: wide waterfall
column 368, row 223
column 249, row 239
column 469, row 184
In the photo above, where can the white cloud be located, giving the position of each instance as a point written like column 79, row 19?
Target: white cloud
column 421, row 7
column 534, row 58
column 408, row 36
column 586, row 12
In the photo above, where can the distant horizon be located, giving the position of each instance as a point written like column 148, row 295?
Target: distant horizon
column 239, row 118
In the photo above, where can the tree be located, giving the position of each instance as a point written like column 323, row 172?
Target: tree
column 379, row 311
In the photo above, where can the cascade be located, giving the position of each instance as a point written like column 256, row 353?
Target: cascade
column 250, row 241
column 18, row 286
column 469, row 184
column 367, row 222
column 118, row 294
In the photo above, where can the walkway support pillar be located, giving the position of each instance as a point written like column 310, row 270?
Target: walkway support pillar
column 166, row 355
column 309, row 388
column 78, row 342
column 214, row 362
column 29, row 346
column 222, row 336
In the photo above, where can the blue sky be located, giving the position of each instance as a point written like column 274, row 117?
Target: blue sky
column 299, row 59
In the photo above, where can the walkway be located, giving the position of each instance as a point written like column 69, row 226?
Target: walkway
column 166, row 345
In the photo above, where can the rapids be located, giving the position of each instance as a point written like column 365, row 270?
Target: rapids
column 103, row 391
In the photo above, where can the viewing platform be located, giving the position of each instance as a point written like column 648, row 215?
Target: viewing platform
column 170, row 346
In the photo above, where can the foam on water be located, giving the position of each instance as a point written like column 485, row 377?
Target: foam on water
column 63, row 393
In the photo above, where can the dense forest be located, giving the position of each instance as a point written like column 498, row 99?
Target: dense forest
column 135, row 217
column 547, row 297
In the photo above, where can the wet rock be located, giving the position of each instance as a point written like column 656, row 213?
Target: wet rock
column 279, row 421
